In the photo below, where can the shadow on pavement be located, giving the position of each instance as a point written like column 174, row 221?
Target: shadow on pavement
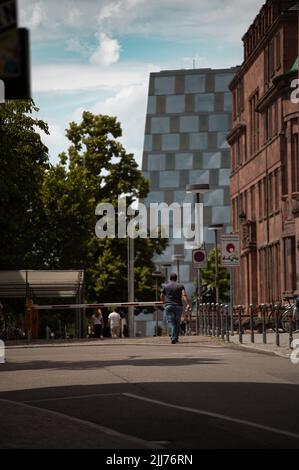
column 97, row 364
column 273, row 405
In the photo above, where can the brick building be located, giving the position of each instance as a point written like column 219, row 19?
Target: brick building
column 265, row 158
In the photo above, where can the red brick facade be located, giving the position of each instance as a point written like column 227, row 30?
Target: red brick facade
column 265, row 158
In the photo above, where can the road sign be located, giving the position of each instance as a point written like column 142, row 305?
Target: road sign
column 230, row 251
column 8, row 15
column 199, row 259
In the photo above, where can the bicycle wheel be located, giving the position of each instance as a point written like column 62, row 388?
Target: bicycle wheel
column 272, row 322
column 285, row 321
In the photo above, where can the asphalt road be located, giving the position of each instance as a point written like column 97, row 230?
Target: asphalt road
column 148, row 395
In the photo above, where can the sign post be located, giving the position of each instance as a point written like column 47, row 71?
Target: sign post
column 230, row 251
column 200, row 261
column 231, row 258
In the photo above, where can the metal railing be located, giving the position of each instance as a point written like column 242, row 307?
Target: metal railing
column 217, row 320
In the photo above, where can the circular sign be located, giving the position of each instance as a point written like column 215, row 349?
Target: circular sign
column 199, row 257
column 230, row 248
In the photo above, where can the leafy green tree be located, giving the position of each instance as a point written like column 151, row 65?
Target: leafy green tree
column 23, row 162
column 208, row 277
column 95, row 169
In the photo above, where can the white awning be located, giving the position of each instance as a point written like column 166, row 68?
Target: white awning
column 40, row 284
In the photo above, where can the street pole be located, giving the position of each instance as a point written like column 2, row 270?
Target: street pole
column 216, row 268
column 198, row 300
column 199, row 243
column 178, row 268
column 157, row 321
column 131, row 287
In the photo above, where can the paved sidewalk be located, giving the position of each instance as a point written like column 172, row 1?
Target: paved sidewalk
column 258, row 346
column 270, row 348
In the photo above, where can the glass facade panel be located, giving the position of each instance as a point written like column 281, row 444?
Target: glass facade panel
column 171, row 142
column 151, row 105
column 199, row 141
column 175, row 104
column 182, row 197
column 164, row 85
column 189, row 124
column 228, row 102
column 195, row 83
column 184, row 161
column 214, row 198
column 209, row 236
column 199, row 177
column 222, row 82
column 219, row 122
column 155, row 197
column 222, row 140
column 169, row 179
column 156, row 162
column 211, row 160
column 221, row 215
column 148, row 143
column 205, row 103
column 224, row 177
column 160, row 125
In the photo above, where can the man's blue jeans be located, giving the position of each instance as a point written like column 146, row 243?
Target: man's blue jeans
column 173, row 315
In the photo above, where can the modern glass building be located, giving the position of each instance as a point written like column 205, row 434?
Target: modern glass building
column 188, row 120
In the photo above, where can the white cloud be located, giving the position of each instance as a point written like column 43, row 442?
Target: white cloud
column 74, row 44
column 107, row 53
column 36, row 17
column 68, row 78
column 221, row 20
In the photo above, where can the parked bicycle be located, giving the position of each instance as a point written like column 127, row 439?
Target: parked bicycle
column 286, row 315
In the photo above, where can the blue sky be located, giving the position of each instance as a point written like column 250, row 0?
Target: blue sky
column 97, row 54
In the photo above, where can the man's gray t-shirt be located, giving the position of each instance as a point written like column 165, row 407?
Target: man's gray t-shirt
column 173, row 293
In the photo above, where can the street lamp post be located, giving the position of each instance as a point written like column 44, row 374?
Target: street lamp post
column 157, row 275
column 178, row 259
column 198, row 190
column 165, row 267
column 216, row 229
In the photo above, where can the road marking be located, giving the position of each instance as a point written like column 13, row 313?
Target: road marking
column 215, row 415
column 97, row 427
column 78, row 397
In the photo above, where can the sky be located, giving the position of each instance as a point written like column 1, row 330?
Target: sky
column 96, row 55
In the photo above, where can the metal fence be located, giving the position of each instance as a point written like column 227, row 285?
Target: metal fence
column 219, row 321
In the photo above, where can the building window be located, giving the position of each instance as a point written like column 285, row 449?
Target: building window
column 252, row 203
column 254, row 124
column 271, row 199
column 272, row 58
column 278, row 50
column 239, row 99
column 276, row 191
column 295, row 164
column 260, row 185
column 265, row 197
column 290, row 274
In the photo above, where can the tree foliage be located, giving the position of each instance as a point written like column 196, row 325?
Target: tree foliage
column 23, row 162
column 48, row 216
column 208, row 277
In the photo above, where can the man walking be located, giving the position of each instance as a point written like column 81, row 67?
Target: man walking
column 173, row 295
column 114, row 322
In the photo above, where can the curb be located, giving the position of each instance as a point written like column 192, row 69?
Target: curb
column 253, row 349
